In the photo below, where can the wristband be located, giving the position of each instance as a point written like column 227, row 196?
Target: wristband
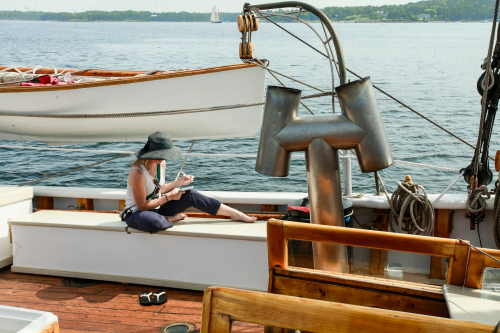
column 166, row 196
column 159, row 202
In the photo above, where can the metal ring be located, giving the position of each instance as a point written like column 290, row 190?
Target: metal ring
column 178, row 328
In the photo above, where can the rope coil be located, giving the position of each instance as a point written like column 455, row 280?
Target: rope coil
column 411, row 210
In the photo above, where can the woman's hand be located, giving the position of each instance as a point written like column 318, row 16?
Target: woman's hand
column 185, row 180
column 175, row 194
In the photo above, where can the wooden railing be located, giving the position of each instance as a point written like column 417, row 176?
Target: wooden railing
column 223, row 306
column 465, row 263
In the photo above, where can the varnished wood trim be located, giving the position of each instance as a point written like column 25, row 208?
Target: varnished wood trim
column 95, row 72
column 45, row 202
column 318, row 316
column 474, row 277
column 260, row 217
column 276, row 244
column 121, row 205
column 206, row 310
column 369, row 239
column 127, row 80
column 269, row 208
column 488, row 262
column 458, row 265
column 442, row 228
column 378, row 257
column 371, row 295
column 85, row 204
column 411, row 288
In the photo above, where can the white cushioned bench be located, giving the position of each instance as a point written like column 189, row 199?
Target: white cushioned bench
column 194, row 254
column 14, row 202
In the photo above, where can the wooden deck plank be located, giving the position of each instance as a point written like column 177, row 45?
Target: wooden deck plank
column 79, row 331
column 108, row 312
column 117, row 297
column 70, row 324
column 105, row 307
column 56, row 281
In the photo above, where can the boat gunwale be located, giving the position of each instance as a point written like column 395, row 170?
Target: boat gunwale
column 123, row 80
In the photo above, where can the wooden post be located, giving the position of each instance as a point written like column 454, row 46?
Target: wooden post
column 45, row 202
column 379, row 257
column 85, row 204
column 211, row 321
column 276, row 244
column 458, row 265
column 122, row 205
column 442, row 228
column 474, row 277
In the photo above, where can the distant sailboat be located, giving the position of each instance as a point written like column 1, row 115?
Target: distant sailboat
column 215, row 15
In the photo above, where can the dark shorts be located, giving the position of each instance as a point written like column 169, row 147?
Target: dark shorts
column 154, row 221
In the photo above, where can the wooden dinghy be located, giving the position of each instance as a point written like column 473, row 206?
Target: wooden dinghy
column 128, row 106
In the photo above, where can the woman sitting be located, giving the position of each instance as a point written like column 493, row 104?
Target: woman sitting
column 152, row 205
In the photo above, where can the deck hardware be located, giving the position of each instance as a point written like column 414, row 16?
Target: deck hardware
column 246, row 24
column 178, row 328
column 359, row 126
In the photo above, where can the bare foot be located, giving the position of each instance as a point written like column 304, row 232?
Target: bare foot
column 176, row 217
column 243, row 218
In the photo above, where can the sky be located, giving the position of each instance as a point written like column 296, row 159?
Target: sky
column 201, row 6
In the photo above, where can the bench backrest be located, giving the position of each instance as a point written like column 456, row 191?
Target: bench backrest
column 223, row 306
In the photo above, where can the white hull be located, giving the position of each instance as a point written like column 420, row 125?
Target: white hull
column 229, row 87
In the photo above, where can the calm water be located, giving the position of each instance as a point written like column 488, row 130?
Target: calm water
column 431, row 67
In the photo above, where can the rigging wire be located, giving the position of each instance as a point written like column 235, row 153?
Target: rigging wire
column 478, row 249
column 484, row 100
column 73, row 170
column 271, row 72
column 375, row 86
column 480, row 175
column 294, row 156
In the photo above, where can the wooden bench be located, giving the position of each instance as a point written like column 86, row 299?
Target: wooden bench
column 194, row 254
column 223, row 306
column 371, row 291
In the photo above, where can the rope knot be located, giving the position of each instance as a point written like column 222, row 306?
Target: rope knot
column 476, row 200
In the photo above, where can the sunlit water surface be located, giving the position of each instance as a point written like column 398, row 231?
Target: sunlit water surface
column 431, row 67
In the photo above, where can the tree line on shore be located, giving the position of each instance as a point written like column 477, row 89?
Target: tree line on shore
column 433, row 10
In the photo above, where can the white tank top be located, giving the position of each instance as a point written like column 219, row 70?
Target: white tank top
column 150, row 186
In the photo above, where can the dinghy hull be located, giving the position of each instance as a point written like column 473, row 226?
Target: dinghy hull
column 123, row 109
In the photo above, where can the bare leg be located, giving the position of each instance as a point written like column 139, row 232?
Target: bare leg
column 176, row 217
column 236, row 215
